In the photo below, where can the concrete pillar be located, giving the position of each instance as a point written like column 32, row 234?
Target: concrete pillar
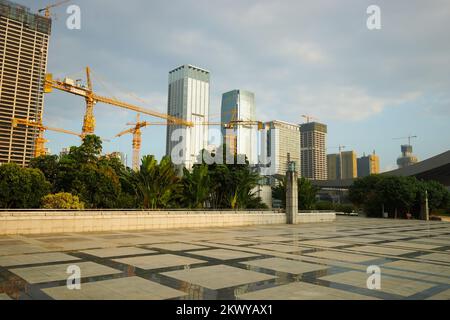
column 291, row 194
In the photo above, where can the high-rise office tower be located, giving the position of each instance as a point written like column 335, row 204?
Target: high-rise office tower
column 342, row 165
column 287, row 141
column 23, row 63
column 189, row 100
column 239, row 105
column 368, row 165
column 313, row 150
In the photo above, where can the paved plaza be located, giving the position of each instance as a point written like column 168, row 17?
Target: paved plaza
column 307, row 261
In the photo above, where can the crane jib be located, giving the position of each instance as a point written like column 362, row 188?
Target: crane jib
column 78, row 91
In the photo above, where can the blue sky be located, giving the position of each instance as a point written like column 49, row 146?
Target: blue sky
column 298, row 57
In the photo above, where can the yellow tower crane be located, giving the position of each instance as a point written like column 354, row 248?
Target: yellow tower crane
column 39, row 144
column 46, row 10
column 70, row 86
column 138, row 125
column 410, row 137
column 137, row 137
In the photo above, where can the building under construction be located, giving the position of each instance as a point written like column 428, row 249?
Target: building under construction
column 23, row 62
column 407, row 158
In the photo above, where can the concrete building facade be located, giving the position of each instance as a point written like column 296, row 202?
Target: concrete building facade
column 342, row 166
column 368, row 165
column 287, row 140
column 333, row 166
column 188, row 99
column 23, row 62
column 239, row 105
column 407, row 158
column 313, row 151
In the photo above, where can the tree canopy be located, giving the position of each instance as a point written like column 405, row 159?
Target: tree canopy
column 306, row 193
column 21, row 188
column 397, row 195
column 84, row 177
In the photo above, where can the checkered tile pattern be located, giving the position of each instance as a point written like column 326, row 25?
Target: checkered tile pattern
column 310, row 261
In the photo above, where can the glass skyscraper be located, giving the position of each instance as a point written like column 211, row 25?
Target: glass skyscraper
column 189, row 100
column 239, row 105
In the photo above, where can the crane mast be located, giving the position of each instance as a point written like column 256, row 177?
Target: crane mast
column 137, row 138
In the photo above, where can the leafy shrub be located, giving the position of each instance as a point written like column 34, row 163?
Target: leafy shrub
column 345, row 208
column 62, row 200
column 21, row 188
column 324, row 205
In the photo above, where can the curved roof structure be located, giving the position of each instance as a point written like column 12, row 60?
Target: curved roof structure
column 436, row 168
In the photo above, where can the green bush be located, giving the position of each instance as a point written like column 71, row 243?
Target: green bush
column 440, row 212
column 398, row 196
column 62, row 200
column 324, row 205
column 21, row 188
column 345, row 208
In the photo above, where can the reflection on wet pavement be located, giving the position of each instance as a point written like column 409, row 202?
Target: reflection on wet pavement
column 310, row 261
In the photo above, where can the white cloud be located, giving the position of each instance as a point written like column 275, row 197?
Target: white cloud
column 301, row 52
column 344, row 103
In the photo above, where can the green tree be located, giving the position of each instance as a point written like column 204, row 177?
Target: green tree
column 307, row 193
column 397, row 195
column 89, row 151
column 196, row 187
column 438, row 196
column 94, row 179
column 225, row 186
column 157, row 185
column 62, row 200
column 21, row 188
column 364, row 194
column 49, row 166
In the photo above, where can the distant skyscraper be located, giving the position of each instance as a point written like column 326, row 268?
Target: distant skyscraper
column 333, row 166
column 23, row 63
column 342, row 166
column 287, row 140
column 407, row 158
column 239, row 105
column 189, row 100
column 349, row 165
column 313, row 151
column 368, row 165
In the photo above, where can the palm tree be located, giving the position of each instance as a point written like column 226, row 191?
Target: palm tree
column 157, row 185
column 196, row 187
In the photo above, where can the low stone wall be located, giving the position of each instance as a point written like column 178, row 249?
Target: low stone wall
column 312, row 217
column 41, row 222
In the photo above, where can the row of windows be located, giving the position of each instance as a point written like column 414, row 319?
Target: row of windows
column 22, row 64
column 23, row 69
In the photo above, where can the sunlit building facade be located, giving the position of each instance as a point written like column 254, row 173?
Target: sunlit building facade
column 23, row 62
column 188, row 99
